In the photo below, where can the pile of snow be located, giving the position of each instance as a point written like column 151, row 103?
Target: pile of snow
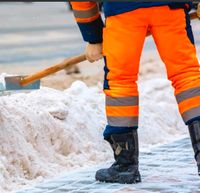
column 46, row 132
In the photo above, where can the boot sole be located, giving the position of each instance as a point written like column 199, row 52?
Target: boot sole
column 123, row 178
column 129, row 179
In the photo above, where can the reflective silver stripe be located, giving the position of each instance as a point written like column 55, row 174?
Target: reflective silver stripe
column 193, row 92
column 192, row 113
column 122, row 101
column 123, row 121
column 86, row 13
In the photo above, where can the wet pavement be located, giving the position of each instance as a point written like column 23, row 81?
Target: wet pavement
column 167, row 169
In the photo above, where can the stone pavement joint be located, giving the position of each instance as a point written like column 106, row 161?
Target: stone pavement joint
column 167, row 169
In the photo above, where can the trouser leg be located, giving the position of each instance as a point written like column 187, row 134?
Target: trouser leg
column 174, row 39
column 123, row 40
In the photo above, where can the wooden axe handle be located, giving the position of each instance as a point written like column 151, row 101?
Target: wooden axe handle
column 52, row 69
column 194, row 15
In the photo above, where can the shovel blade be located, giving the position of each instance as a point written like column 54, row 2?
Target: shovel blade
column 13, row 83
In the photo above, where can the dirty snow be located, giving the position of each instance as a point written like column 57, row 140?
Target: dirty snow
column 46, row 132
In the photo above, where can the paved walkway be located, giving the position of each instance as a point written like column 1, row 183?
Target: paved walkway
column 167, row 169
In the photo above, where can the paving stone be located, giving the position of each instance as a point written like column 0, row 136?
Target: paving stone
column 167, row 169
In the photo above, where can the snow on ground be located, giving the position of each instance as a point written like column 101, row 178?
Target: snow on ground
column 46, row 132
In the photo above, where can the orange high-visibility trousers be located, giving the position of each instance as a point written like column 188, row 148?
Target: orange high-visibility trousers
column 123, row 40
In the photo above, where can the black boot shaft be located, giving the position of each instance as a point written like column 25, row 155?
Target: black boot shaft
column 125, row 147
column 125, row 168
column 194, row 130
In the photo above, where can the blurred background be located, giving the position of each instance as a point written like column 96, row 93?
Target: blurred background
column 37, row 32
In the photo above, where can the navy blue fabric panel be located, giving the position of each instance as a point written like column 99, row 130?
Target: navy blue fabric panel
column 193, row 119
column 92, row 31
column 114, row 8
column 109, row 130
column 106, row 71
column 175, row 5
column 188, row 27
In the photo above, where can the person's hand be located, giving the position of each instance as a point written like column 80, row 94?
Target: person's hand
column 93, row 52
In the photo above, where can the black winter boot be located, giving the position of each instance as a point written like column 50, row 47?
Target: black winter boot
column 194, row 129
column 125, row 168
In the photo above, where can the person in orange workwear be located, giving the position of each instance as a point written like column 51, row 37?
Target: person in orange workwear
column 120, row 42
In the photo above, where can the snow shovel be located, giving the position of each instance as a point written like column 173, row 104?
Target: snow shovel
column 33, row 81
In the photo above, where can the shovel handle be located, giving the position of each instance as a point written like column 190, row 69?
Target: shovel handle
column 52, row 69
column 194, row 15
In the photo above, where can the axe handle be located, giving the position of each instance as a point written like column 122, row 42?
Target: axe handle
column 194, row 15
column 52, row 69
